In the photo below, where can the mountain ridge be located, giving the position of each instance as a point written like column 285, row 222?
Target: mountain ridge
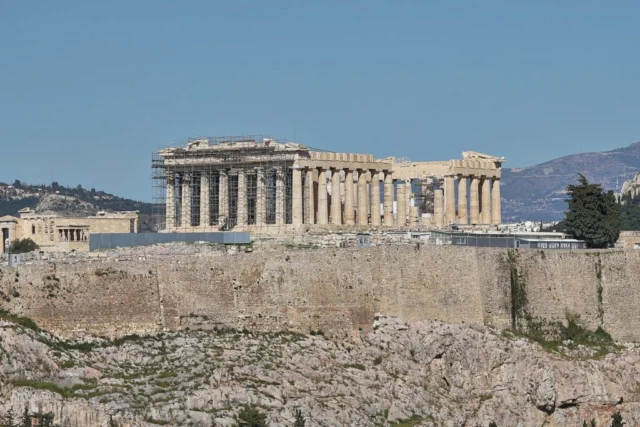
column 538, row 192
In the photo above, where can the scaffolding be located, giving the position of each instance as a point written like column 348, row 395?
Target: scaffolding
column 218, row 183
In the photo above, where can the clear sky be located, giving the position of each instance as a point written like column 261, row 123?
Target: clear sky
column 89, row 89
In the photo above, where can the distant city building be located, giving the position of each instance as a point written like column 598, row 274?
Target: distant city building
column 59, row 233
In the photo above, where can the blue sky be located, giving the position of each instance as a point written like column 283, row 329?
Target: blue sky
column 88, row 90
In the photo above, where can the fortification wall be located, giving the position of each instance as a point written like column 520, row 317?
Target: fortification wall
column 333, row 290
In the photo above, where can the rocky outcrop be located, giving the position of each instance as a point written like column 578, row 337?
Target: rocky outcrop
column 433, row 373
column 631, row 187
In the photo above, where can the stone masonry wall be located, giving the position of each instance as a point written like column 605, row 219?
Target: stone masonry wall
column 333, row 290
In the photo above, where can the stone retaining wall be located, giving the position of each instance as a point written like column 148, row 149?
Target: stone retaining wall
column 333, row 290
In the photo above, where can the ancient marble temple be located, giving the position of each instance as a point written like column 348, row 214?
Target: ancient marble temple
column 266, row 186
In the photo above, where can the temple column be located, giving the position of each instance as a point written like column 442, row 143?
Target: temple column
column 242, row 211
column 280, row 195
column 375, row 198
column 170, row 214
column 363, row 211
column 462, row 200
column 296, row 197
column 336, row 205
column 223, row 194
column 204, row 200
column 261, row 198
column 438, row 206
column 474, row 202
column 496, row 214
column 323, row 211
column 310, row 212
column 185, row 218
column 450, row 200
column 401, row 214
column 349, row 213
column 388, row 199
column 485, row 208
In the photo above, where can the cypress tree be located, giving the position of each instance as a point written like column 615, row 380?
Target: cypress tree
column 593, row 215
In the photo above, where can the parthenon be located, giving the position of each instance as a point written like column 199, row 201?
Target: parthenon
column 266, row 186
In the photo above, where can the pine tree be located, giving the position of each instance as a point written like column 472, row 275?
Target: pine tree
column 299, row 419
column 617, row 420
column 593, row 215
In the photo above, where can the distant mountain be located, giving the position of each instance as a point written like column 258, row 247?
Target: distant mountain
column 67, row 201
column 538, row 192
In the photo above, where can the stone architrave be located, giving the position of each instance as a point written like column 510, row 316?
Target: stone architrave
column 375, row 198
column 349, row 212
column 462, row 200
column 496, row 214
column 323, row 208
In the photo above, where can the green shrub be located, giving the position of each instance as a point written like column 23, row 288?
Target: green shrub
column 22, row 246
column 250, row 416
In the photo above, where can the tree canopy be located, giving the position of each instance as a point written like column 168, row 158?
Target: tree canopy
column 593, row 215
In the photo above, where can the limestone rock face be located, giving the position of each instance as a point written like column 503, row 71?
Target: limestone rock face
column 631, row 187
column 439, row 374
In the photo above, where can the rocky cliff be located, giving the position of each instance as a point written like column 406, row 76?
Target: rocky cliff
column 427, row 373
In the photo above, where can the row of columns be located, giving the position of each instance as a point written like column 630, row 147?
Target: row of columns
column 483, row 201
column 361, row 199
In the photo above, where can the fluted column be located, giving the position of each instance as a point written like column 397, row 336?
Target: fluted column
column 242, row 211
column 336, row 205
column 496, row 214
column 261, row 198
column 375, row 198
column 388, row 199
column 401, row 204
column 462, row 200
column 185, row 218
column 205, row 213
column 438, row 206
column 349, row 212
column 363, row 211
column 296, row 197
column 450, row 200
column 485, row 209
column 474, row 202
column 323, row 208
column 223, row 194
column 310, row 212
column 280, row 194
column 170, row 214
